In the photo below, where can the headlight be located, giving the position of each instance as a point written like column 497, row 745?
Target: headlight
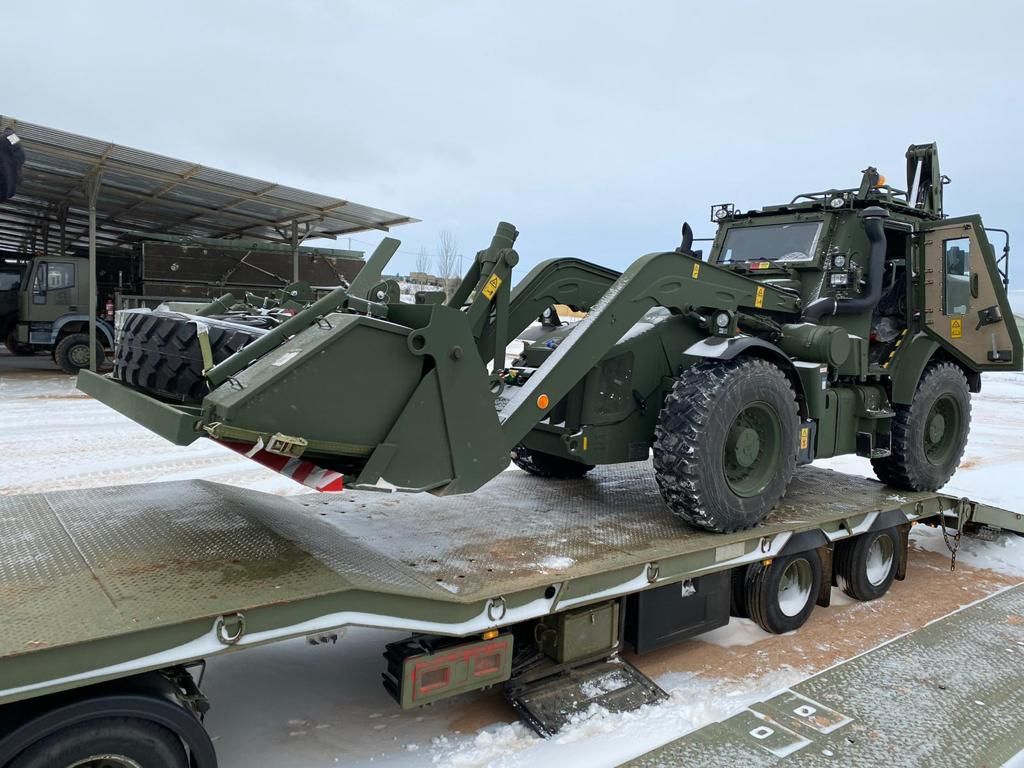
column 839, row 278
column 722, row 320
column 839, row 260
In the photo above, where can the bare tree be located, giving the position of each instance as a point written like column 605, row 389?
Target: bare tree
column 423, row 261
column 447, row 257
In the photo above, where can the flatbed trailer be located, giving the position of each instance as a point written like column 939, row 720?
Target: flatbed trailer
column 110, row 596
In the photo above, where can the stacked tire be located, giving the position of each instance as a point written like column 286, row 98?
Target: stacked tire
column 159, row 352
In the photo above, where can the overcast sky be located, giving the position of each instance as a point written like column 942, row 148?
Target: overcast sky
column 594, row 127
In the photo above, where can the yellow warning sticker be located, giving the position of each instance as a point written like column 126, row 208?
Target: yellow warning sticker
column 759, row 297
column 492, row 287
column 696, row 271
column 805, row 436
column 956, row 327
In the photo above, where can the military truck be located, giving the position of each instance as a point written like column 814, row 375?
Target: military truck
column 846, row 321
column 54, row 303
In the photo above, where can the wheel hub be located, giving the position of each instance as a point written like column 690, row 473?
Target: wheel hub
column 79, row 355
column 795, row 587
column 748, row 445
column 752, row 449
column 106, row 761
column 879, row 560
column 936, row 427
column 942, row 430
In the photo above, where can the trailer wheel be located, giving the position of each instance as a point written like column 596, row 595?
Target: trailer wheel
column 726, row 442
column 781, row 595
column 158, row 352
column 866, row 566
column 116, row 742
column 546, row 465
column 72, row 353
column 930, row 434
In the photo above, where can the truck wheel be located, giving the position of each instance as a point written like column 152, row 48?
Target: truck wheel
column 11, row 342
column 781, row 595
column 158, row 352
column 72, row 353
column 930, row 434
column 866, row 566
column 546, row 465
column 726, row 442
column 106, row 743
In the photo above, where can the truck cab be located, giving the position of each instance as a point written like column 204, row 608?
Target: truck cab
column 53, row 312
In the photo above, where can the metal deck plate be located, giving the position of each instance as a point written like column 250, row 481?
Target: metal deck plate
column 96, row 564
column 949, row 694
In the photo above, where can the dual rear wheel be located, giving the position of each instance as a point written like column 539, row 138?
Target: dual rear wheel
column 780, row 594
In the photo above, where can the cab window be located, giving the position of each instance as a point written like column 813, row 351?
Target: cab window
column 957, row 271
column 51, row 277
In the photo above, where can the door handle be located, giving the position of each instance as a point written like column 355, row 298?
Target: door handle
column 974, row 285
column 73, row 308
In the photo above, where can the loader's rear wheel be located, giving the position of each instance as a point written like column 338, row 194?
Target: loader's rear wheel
column 930, row 434
column 159, row 352
column 726, row 443
column 546, row 465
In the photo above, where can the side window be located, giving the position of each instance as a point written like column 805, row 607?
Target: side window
column 39, row 284
column 60, row 275
column 957, row 275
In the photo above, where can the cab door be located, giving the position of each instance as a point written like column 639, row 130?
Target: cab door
column 964, row 302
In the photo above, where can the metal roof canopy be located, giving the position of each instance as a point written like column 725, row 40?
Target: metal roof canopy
column 80, row 190
column 142, row 192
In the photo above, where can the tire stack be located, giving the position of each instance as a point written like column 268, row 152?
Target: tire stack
column 159, row 352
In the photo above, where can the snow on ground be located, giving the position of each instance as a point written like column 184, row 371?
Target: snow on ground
column 292, row 706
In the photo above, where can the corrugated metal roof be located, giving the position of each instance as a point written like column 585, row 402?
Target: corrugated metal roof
column 144, row 192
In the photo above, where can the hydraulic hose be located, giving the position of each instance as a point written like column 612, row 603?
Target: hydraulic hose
column 874, row 227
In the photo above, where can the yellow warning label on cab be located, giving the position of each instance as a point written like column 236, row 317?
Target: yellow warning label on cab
column 492, row 287
column 759, row 297
column 805, row 436
column 956, row 327
column 696, row 271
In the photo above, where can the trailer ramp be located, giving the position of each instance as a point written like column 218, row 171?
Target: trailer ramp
column 950, row 694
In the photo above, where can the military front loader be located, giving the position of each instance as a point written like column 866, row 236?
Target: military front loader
column 849, row 321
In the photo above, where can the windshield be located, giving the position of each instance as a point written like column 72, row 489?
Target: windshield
column 771, row 242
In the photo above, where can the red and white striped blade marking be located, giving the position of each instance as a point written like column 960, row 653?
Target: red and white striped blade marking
column 299, row 470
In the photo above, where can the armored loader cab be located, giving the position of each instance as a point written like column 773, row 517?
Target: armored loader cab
column 847, row 321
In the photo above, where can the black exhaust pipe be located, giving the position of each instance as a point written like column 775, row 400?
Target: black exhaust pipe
column 874, row 226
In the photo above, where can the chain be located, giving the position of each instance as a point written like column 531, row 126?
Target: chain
column 961, row 517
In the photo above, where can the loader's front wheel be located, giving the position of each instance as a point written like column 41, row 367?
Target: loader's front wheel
column 546, row 465
column 726, row 443
column 930, row 434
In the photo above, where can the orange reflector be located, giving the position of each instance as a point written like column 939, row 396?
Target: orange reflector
column 767, row 562
column 543, row 401
column 881, row 181
column 490, row 634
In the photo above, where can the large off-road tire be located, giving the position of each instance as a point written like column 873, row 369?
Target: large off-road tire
column 725, row 445
column 866, row 565
column 781, row 594
column 546, row 465
column 118, row 742
column 11, row 342
column 930, row 434
column 159, row 353
column 72, row 353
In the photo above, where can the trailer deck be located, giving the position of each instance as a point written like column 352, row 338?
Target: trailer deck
column 99, row 584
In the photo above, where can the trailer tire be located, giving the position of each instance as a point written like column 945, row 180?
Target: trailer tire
column 72, row 353
column 930, row 434
column 781, row 595
column 725, row 444
column 866, row 565
column 122, row 741
column 546, row 465
column 159, row 353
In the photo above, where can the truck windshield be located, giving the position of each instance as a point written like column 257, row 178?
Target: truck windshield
column 771, row 242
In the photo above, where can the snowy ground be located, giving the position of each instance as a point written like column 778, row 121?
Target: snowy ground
column 291, row 705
